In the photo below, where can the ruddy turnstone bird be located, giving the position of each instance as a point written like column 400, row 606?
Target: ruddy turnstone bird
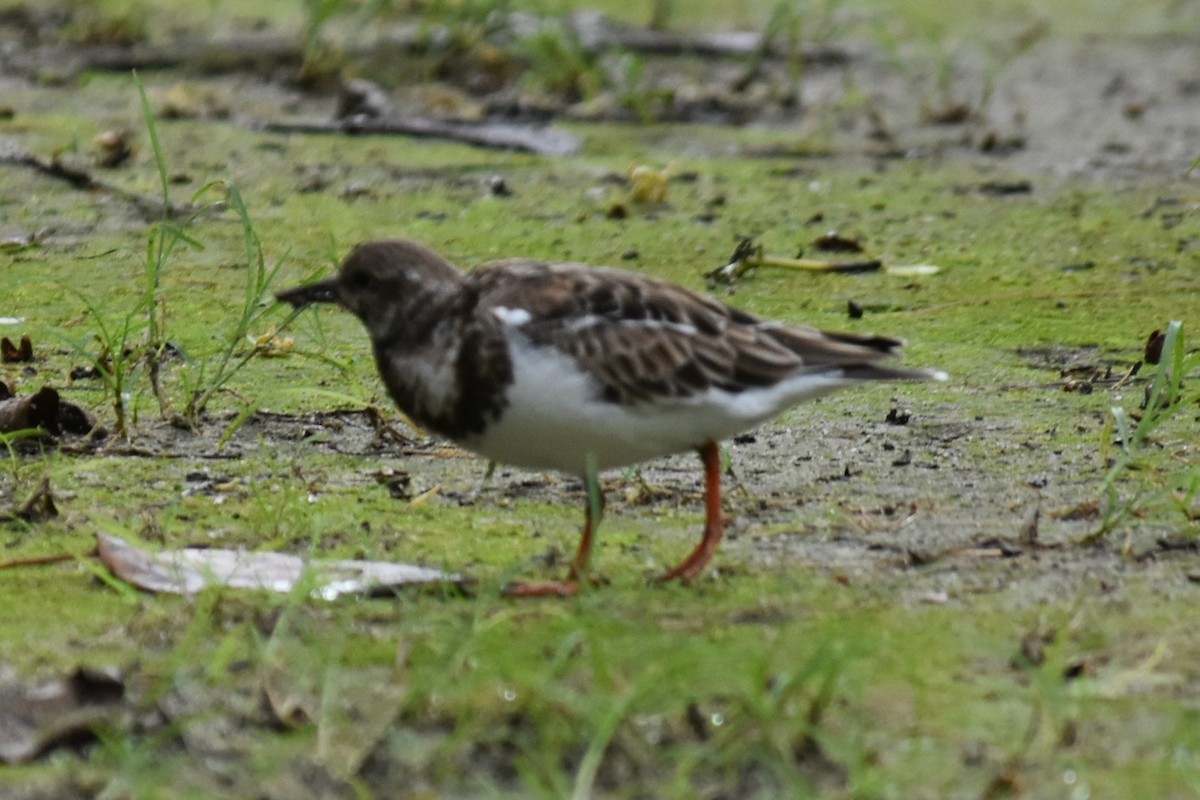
column 578, row 369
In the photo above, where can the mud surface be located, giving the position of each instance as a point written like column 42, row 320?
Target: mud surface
column 975, row 495
column 911, row 503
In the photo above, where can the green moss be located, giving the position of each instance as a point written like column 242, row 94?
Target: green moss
column 715, row 689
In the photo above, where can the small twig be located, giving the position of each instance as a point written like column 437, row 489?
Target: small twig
column 38, row 561
column 499, row 136
column 38, row 505
column 151, row 208
column 598, row 34
column 817, row 265
column 748, row 256
column 259, row 52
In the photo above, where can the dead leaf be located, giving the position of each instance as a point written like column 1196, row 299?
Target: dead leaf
column 37, row 410
column 189, row 101
column 12, row 354
column 1142, row 678
column 46, row 410
column 352, row 706
column 37, row 507
column 271, row 345
column 190, row 570
column 913, row 270
column 35, row 719
column 113, row 148
column 292, row 675
column 361, row 705
column 1154, row 347
column 648, row 185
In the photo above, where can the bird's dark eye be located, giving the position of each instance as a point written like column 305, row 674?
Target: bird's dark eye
column 359, row 280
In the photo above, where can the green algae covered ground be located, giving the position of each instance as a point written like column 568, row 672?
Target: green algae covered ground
column 901, row 611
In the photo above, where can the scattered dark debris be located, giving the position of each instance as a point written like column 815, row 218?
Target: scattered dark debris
column 919, row 557
column 1186, row 544
column 1081, row 368
column 1005, row 783
column 113, row 149
column 760, row 615
column 1002, row 188
column 697, row 722
column 355, row 190
column 1085, row 510
column 854, row 308
column 992, row 547
column 974, row 753
column 1029, row 529
column 846, row 474
column 358, row 97
column 630, row 255
column 1159, row 204
column 834, row 242
column 1135, row 109
column 1003, row 547
column 1075, row 668
column 996, row 143
column 498, row 187
column 1033, row 648
column 397, row 482
column 951, row 112
column 385, row 430
column 898, row 416
column 37, row 507
column 1154, row 346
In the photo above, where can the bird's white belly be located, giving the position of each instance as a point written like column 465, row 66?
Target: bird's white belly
column 555, row 417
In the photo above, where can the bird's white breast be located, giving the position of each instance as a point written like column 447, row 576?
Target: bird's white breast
column 555, row 416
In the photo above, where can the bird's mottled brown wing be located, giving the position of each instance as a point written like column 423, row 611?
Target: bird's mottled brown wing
column 644, row 338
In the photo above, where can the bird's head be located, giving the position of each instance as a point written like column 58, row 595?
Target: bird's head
column 383, row 283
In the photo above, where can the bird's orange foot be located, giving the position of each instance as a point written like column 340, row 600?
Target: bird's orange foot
column 541, row 589
column 568, row 588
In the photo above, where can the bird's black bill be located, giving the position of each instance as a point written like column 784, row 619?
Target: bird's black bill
column 301, row 296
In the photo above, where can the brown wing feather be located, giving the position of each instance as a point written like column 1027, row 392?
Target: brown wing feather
column 645, row 338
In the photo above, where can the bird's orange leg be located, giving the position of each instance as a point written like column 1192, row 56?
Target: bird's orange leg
column 714, row 525
column 583, row 555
